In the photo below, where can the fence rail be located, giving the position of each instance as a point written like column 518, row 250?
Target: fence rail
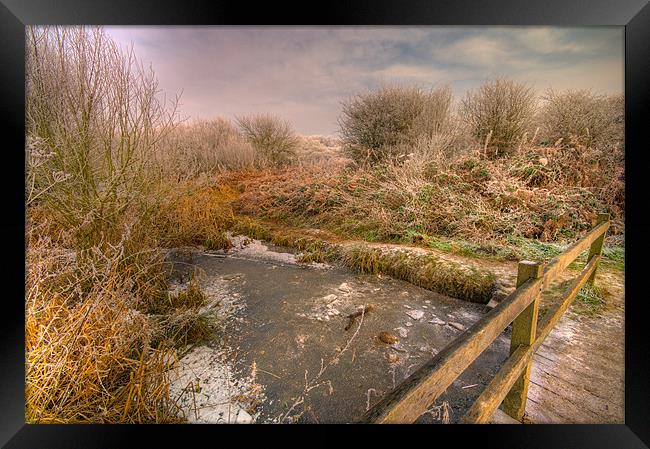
column 510, row 385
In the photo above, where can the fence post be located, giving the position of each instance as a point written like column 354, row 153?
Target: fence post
column 524, row 330
column 596, row 248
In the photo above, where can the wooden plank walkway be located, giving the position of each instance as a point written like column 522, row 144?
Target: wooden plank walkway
column 578, row 373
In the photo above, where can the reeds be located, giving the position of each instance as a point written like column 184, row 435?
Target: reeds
column 88, row 352
column 189, row 214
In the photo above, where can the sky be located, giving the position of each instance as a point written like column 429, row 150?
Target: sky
column 303, row 73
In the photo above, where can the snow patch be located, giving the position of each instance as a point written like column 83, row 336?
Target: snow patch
column 415, row 314
column 207, row 389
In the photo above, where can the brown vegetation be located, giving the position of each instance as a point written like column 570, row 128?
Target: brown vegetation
column 593, row 120
column 203, row 147
column 88, row 351
column 101, row 326
column 546, row 193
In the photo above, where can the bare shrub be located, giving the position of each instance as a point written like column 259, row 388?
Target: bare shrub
column 501, row 111
column 583, row 115
column 94, row 114
column 204, row 147
column 273, row 138
column 446, row 145
column 374, row 123
column 435, row 116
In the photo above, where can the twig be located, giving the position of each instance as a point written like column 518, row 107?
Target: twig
column 267, row 372
column 315, row 383
column 439, row 412
column 368, row 397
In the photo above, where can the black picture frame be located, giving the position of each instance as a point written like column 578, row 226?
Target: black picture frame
column 634, row 15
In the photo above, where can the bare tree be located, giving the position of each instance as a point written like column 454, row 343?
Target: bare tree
column 94, row 116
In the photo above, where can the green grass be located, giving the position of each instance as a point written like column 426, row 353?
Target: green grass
column 515, row 248
column 590, row 301
column 426, row 271
column 614, row 257
column 534, row 249
column 439, row 244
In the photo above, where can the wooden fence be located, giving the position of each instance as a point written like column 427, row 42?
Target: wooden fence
column 510, row 385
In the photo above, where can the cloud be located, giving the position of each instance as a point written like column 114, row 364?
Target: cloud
column 549, row 41
column 475, row 51
column 411, row 72
column 303, row 73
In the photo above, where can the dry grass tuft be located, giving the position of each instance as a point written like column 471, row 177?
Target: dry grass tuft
column 591, row 300
column 427, row 271
column 88, row 347
column 195, row 215
column 251, row 228
column 191, row 297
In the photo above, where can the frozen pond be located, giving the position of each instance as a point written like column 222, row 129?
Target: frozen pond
column 285, row 324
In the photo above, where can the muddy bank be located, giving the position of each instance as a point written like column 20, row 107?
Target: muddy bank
column 284, row 346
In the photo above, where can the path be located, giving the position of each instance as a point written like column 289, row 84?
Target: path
column 578, row 374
